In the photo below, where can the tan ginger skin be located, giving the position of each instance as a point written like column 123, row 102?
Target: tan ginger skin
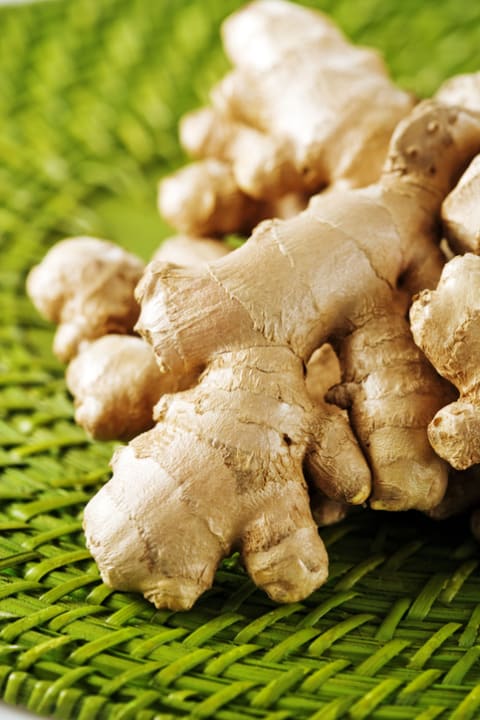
column 87, row 286
column 446, row 326
column 115, row 380
column 243, row 437
column 268, row 134
column 461, row 211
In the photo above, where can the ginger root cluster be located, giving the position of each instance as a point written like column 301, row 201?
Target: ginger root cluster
column 266, row 390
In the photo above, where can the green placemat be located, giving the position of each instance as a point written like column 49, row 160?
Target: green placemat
column 90, row 95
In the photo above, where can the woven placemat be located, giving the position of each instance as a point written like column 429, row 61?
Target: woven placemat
column 90, row 95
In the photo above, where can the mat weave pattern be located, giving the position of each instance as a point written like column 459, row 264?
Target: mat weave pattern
column 90, row 94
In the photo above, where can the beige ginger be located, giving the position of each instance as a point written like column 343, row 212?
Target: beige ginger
column 87, row 286
column 115, row 380
column 461, row 211
column 227, row 457
column 322, row 373
column 446, row 326
column 302, row 109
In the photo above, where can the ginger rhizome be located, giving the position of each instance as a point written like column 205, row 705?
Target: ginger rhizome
column 461, row 211
column 228, row 457
column 87, row 286
column 446, row 326
column 115, row 382
column 301, row 110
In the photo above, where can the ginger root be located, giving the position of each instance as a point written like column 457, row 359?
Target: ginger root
column 85, row 286
column 225, row 461
column 302, row 109
column 187, row 250
column 114, row 379
column 116, row 382
column 323, row 372
column 446, row 326
column 461, row 211
column 228, row 456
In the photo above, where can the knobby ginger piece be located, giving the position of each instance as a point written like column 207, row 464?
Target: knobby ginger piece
column 189, row 250
column 227, row 457
column 446, row 326
column 461, row 211
column 460, row 214
column 204, row 199
column 224, row 461
column 115, row 379
column 461, row 91
column 85, row 286
column 116, row 382
column 302, row 109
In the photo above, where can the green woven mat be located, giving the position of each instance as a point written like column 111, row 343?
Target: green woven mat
column 90, row 94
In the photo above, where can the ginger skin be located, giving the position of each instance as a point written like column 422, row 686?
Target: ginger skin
column 114, row 379
column 115, row 382
column 302, row 110
column 228, row 456
column 446, row 326
column 188, row 250
column 323, row 372
column 85, row 286
column 461, row 212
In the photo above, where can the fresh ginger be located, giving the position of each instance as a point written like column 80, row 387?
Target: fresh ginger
column 446, row 326
column 114, row 379
column 302, row 109
column 461, row 211
column 322, row 373
column 115, row 382
column 85, row 286
column 187, row 250
column 227, row 457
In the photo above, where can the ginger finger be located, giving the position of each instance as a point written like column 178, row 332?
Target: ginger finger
column 189, row 250
column 262, row 166
column 258, row 36
column 218, row 440
column 461, row 91
column 204, row 199
column 391, row 395
column 334, row 464
column 445, row 324
column 115, row 382
column 281, row 548
column 86, row 286
column 282, row 119
column 461, row 211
